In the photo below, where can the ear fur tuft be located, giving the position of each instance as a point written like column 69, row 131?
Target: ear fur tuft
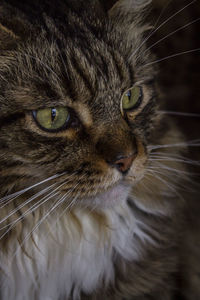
column 129, row 6
column 128, row 17
column 140, row 3
column 127, row 12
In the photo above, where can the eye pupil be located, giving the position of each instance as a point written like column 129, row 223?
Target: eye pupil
column 53, row 114
column 128, row 94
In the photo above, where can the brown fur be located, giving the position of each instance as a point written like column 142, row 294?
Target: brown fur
column 87, row 65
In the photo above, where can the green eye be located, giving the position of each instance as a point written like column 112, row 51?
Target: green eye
column 52, row 119
column 131, row 99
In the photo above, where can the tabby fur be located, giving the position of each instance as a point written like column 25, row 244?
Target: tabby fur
column 112, row 235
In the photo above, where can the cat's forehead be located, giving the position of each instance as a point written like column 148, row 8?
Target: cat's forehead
column 83, row 63
column 69, row 72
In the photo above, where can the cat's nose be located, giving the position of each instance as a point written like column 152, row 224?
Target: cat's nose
column 123, row 163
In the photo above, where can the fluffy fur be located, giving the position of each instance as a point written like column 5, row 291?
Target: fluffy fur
column 73, row 226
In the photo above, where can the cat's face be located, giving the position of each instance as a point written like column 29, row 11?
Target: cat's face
column 77, row 109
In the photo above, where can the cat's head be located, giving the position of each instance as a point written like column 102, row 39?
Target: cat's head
column 77, row 99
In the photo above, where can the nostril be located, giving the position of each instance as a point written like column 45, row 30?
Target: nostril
column 123, row 163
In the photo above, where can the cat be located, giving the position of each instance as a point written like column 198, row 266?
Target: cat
column 86, row 212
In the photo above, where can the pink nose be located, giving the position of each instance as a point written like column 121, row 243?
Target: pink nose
column 124, row 163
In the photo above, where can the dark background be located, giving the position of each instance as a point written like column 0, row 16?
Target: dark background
column 179, row 79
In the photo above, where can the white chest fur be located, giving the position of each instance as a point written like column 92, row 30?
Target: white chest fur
column 62, row 259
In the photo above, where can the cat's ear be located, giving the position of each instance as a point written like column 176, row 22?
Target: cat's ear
column 127, row 6
column 126, row 13
column 128, row 16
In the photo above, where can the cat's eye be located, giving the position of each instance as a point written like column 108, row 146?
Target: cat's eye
column 131, row 99
column 52, row 119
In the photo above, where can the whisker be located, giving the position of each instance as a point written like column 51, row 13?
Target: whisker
column 180, row 184
column 161, row 166
column 33, row 207
column 147, row 188
column 52, row 208
column 193, row 143
column 66, row 195
column 40, row 222
column 162, row 12
column 161, row 25
column 172, row 188
column 166, row 158
column 31, row 198
column 170, row 155
column 172, row 33
column 179, row 113
column 69, row 206
column 160, row 16
column 172, row 56
column 19, row 193
column 25, row 203
column 31, row 210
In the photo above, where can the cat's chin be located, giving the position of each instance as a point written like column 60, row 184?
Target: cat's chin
column 113, row 196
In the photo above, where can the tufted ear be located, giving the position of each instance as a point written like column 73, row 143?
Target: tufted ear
column 125, row 6
column 129, row 18
column 129, row 13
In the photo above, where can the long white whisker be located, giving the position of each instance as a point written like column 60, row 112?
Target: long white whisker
column 31, row 198
column 147, row 188
column 35, row 227
column 52, row 208
column 69, row 206
column 172, row 56
column 160, row 16
column 166, row 158
column 27, row 202
column 161, row 166
column 193, row 143
column 170, row 155
column 19, row 193
column 178, row 113
column 32, row 209
column 180, row 184
column 162, row 12
column 35, row 206
column 172, row 33
column 161, row 25
column 66, row 195
column 172, row 188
